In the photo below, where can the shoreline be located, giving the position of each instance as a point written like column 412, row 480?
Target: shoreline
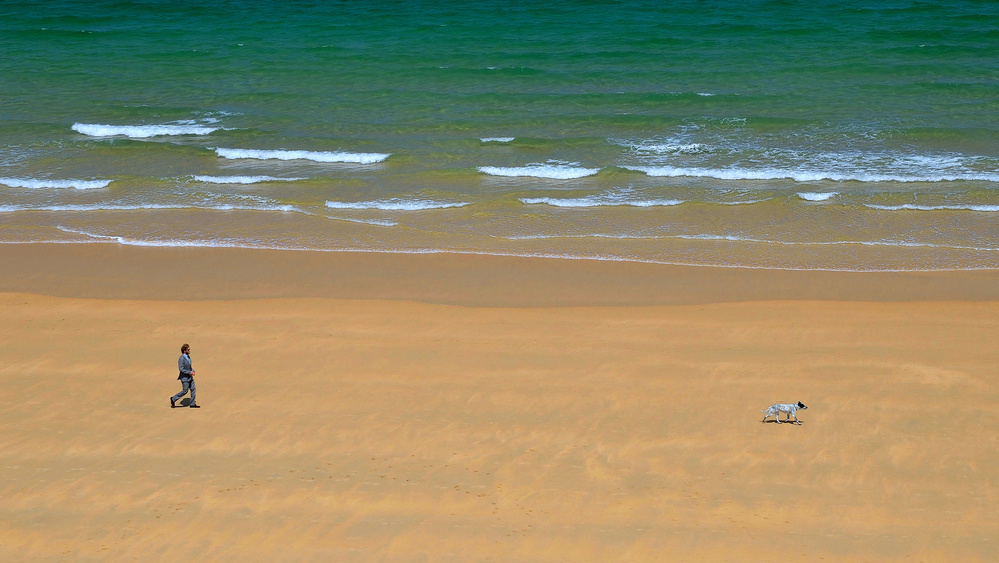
column 108, row 271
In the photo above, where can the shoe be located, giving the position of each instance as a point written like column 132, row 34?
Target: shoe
column 173, row 403
column 195, row 406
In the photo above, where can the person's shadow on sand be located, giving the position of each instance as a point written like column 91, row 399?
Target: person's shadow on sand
column 185, row 402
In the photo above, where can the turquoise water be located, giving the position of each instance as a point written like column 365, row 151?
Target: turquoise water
column 832, row 135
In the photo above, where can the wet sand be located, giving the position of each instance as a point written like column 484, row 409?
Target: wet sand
column 412, row 408
column 127, row 272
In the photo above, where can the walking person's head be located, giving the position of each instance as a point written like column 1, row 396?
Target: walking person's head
column 185, row 349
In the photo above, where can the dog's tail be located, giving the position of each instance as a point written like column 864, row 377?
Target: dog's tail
column 764, row 410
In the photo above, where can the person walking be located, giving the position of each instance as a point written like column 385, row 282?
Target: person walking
column 186, row 377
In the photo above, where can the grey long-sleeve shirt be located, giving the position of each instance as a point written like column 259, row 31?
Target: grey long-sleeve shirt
column 184, row 365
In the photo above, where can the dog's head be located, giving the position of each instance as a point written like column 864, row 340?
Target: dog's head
column 801, row 405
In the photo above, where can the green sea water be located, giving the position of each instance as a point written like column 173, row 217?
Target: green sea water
column 821, row 135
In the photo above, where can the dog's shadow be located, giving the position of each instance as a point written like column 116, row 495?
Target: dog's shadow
column 782, row 422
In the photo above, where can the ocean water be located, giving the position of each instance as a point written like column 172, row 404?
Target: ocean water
column 848, row 135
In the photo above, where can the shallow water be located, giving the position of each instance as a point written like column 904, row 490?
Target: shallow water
column 846, row 135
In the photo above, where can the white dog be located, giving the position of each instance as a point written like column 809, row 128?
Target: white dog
column 788, row 409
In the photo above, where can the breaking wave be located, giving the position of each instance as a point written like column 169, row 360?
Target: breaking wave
column 551, row 171
column 35, row 183
column 242, row 179
column 600, row 201
column 813, row 196
column 802, row 175
column 395, row 204
column 913, row 207
column 144, row 131
column 316, row 156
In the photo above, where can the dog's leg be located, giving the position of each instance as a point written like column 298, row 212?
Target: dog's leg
column 796, row 419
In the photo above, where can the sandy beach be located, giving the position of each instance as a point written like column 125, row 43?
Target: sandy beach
column 361, row 407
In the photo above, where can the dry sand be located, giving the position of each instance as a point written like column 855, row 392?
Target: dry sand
column 446, row 417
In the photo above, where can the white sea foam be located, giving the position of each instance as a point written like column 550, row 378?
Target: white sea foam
column 554, row 255
column 379, row 222
column 158, row 243
column 91, row 207
column 885, row 243
column 317, row 156
column 674, row 148
column 242, row 179
column 231, row 207
column 657, row 146
column 587, row 235
column 394, row 204
column 496, row 139
column 747, row 202
column 813, row 196
column 600, row 201
column 551, row 171
column 704, row 236
column 913, row 207
column 144, row 131
column 755, row 240
column 36, row 183
column 149, row 206
column 802, row 175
